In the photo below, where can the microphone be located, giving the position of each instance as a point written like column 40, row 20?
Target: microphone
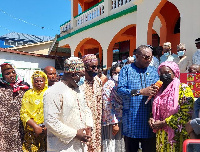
column 159, row 84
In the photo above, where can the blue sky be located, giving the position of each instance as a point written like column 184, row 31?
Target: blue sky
column 35, row 17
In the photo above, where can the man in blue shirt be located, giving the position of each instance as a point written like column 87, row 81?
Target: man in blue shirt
column 136, row 83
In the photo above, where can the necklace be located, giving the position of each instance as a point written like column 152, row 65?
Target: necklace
column 75, row 95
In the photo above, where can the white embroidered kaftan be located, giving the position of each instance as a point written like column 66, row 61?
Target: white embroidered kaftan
column 65, row 112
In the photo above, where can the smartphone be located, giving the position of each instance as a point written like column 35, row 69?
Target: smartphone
column 191, row 145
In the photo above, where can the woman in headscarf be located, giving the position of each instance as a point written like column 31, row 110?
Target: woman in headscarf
column 112, row 113
column 172, row 108
column 32, row 114
column 12, row 89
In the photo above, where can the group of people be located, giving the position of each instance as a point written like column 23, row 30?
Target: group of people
column 22, row 114
column 87, row 111
column 167, row 114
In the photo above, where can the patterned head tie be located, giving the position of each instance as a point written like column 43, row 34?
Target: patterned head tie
column 73, row 64
column 89, row 58
column 38, row 74
column 6, row 66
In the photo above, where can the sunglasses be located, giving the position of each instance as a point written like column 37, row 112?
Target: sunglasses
column 116, row 73
column 75, row 74
column 146, row 57
column 95, row 67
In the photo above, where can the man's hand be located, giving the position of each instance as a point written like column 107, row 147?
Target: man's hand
column 149, row 91
column 89, row 133
column 115, row 129
column 188, row 127
column 82, row 136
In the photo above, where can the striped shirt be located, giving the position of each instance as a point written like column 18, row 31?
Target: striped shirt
column 135, row 112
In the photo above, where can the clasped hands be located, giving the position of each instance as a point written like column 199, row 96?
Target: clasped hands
column 115, row 129
column 84, row 134
column 157, row 124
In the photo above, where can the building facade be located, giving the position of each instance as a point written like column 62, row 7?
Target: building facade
column 123, row 25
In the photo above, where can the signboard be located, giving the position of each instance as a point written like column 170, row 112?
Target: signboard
column 193, row 81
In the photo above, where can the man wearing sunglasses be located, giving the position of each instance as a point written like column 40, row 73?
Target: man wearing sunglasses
column 135, row 85
column 93, row 95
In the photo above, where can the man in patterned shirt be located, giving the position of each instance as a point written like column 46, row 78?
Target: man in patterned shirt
column 136, row 83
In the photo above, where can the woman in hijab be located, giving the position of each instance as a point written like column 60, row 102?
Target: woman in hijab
column 172, row 108
column 32, row 114
column 12, row 89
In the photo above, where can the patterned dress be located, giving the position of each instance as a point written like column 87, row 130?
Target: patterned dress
column 177, row 123
column 112, row 114
column 11, row 127
column 93, row 95
column 32, row 107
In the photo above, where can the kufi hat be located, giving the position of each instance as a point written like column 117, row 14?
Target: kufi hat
column 73, row 64
column 181, row 46
column 168, row 44
column 197, row 41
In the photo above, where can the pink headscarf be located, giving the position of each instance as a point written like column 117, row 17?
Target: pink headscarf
column 165, row 103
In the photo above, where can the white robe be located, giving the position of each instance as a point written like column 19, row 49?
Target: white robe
column 196, row 57
column 65, row 112
column 173, row 57
column 184, row 64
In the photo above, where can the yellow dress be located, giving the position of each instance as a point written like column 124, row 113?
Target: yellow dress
column 32, row 108
column 177, row 123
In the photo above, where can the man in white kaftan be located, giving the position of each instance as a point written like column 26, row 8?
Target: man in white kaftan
column 65, row 114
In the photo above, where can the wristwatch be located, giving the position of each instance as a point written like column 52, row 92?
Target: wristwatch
column 135, row 92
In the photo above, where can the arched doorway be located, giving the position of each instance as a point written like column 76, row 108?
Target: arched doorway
column 122, row 44
column 89, row 46
column 169, row 17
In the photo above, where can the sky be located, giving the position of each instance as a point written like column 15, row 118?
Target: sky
column 35, row 17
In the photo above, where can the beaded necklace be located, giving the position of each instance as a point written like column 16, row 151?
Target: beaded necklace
column 74, row 90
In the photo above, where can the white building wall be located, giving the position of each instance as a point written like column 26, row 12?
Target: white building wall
column 25, row 65
column 157, row 25
column 103, row 33
column 26, row 61
column 190, row 23
column 144, row 12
